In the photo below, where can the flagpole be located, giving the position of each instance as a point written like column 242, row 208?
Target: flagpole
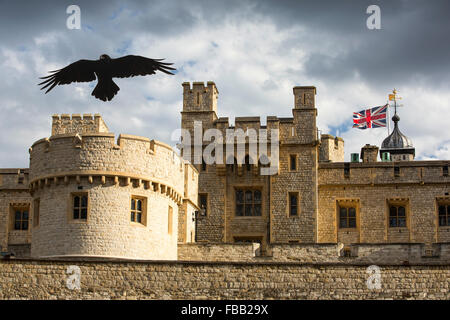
column 388, row 118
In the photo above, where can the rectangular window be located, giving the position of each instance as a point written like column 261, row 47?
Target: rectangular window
column 138, row 209
column 248, row 202
column 347, row 217
column 21, row 216
column 79, row 206
column 169, row 220
column 36, row 205
column 444, row 214
column 445, row 170
column 293, row 204
column 397, row 216
column 293, row 162
column 396, row 171
column 203, row 204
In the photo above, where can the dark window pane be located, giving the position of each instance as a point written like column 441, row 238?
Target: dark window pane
column 239, row 210
column 343, row 212
column 401, row 222
column 24, row 225
column 257, row 196
column 132, row 216
column 18, row 215
column 393, row 222
column 393, row 211
column 248, row 196
column 257, row 210
column 448, row 220
column 343, row 223
column 442, row 220
column 25, row 215
column 139, row 205
column 240, row 196
column 84, row 201
column 133, row 204
column 352, row 212
column 83, row 213
column 293, row 210
column 248, row 209
column 401, row 211
column 448, row 209
column 76, row 214
column 293, row 200
column 442, row 210
column 139, row 216
column 76, row 201
column 17, row 225
column 352, row 223
column 293, row 163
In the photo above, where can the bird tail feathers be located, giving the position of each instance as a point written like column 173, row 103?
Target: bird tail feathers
column 105, row 90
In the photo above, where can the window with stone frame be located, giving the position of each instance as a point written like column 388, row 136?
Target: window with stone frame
column 293, row 204
column 444, row 213
column 79, row 206
column 347, row 216
column 397, row 216
column 248, row 202
column 138, row 209
column 292, row 162
column 21, row 215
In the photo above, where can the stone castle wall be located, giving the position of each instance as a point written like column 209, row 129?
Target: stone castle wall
column 22, row 279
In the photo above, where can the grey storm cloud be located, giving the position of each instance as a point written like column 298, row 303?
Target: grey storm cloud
column 324, row 43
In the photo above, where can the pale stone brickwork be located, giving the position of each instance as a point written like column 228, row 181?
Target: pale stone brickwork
column 218, row 280
column 84, row 162
column 64, row 124
column 331, row 148
column 357, row 253
column 419, row 186
column 218, row 251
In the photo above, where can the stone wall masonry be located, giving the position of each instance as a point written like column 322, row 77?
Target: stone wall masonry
column 218, row 251
column 40, row 279
column 382, row 253
column 324, row 253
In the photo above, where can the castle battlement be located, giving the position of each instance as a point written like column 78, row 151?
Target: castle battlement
column 75, row 123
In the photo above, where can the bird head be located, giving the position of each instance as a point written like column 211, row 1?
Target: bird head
column 105, row 57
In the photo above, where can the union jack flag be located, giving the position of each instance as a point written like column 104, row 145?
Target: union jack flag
column 370, row 118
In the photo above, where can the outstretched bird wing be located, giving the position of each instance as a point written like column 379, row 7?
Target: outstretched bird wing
column 80, row 71
column 130, row 66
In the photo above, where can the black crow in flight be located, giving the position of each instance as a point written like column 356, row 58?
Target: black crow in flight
column 104, row 70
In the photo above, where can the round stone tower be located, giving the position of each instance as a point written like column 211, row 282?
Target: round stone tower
column 93, row 197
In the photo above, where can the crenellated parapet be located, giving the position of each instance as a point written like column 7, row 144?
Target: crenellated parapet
column 87, row 123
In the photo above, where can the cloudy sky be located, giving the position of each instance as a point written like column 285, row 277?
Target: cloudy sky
column 255, row 52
